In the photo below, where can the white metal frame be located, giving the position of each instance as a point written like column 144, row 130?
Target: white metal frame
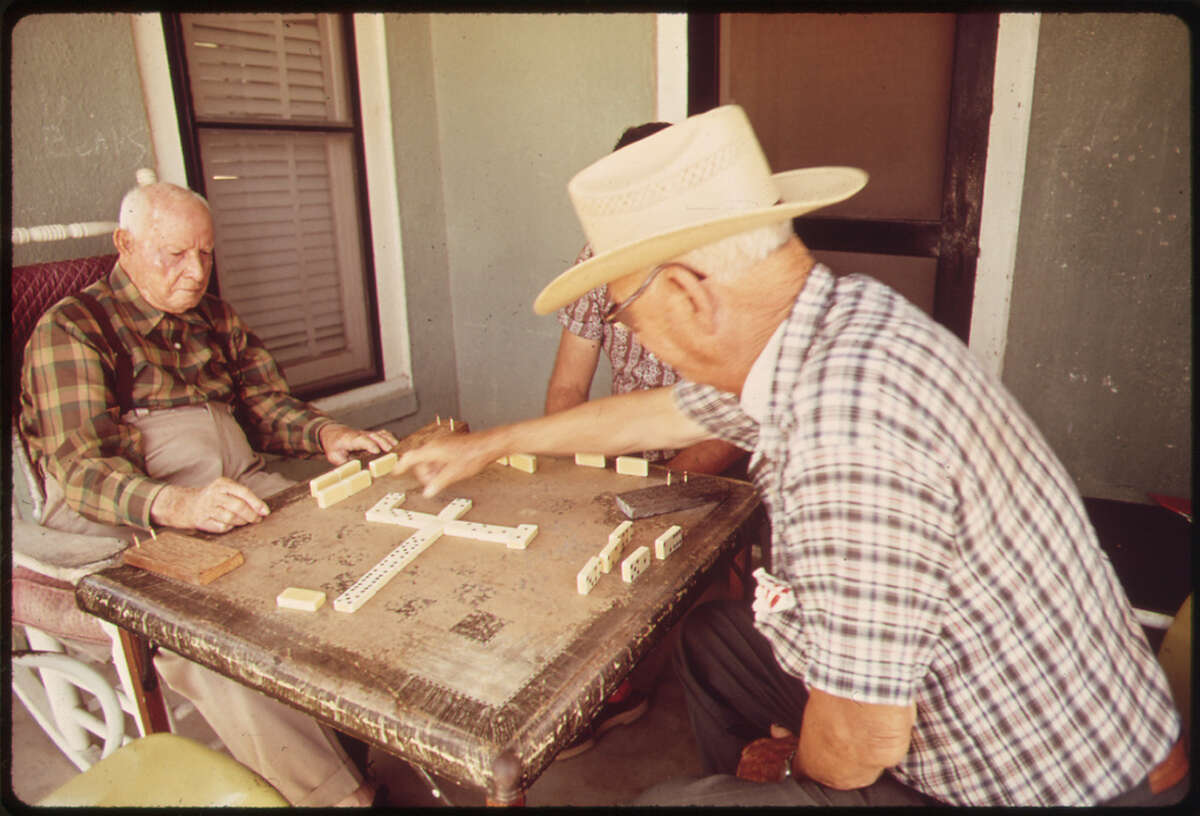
column 53, row 700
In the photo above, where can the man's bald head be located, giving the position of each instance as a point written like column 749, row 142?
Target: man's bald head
column 165, row 241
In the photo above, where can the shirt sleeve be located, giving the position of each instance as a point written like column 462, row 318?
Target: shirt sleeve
column 273, row 419
column 866, row 541
column 71, row 418
column 718, row 411
column 585, row 317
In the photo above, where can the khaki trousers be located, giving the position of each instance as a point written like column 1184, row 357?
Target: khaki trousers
column 190, row 447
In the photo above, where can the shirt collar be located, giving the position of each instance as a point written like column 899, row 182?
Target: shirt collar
column 756, row 391
column 797, row 331
column 140, row 315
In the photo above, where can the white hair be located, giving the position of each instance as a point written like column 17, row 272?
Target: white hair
column 730, row 257
column 138, row 203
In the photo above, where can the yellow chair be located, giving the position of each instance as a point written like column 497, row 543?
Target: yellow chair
column 166, row 770
column 158, row 770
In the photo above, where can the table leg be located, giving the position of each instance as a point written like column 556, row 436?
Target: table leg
column 152, row 710
column 506, row 782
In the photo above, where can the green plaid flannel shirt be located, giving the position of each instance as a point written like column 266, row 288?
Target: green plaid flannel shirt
column 70, row 418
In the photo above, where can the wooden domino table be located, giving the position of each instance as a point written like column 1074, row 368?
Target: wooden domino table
column 476, row 662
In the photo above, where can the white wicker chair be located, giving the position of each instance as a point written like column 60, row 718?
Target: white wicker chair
column 47, row 563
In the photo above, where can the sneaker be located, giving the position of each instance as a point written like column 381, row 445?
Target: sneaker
column 584, row 742
column 628, row 710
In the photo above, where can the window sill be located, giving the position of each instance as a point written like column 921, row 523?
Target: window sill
column 372, row 405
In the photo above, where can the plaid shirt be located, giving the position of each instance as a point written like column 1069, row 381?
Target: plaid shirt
column 70, row 417
column 939, row 553
column 634, row 367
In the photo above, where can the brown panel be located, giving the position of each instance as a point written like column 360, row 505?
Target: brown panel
column 869, row 90
column 912, row 277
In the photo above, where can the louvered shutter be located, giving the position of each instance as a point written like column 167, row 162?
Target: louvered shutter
column 271, row 103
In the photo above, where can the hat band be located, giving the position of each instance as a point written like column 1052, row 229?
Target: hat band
column 648, row 195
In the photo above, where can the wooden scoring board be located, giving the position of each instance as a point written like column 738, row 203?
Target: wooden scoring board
column 183, row 557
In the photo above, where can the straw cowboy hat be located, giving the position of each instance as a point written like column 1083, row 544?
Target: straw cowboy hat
column 693, row 183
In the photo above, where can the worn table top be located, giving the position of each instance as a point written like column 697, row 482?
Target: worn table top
column 476, row 662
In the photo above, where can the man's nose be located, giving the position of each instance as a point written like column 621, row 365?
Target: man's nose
column 195, row 265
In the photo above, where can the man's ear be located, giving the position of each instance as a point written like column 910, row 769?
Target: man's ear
column 698, row 299
column 123, row 241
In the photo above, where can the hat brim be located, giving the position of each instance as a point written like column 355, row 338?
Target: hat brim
column 801, row 191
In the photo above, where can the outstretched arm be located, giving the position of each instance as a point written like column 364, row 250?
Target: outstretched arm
column 613, row 425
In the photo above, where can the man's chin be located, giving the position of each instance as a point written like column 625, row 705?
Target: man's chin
column 185, row 301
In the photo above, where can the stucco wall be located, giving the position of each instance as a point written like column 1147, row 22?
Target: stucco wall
column 423, row 218
column 79, row 131
column 524, row 102
column 1099, row 344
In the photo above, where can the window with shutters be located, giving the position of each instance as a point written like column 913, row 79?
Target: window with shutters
column 273, row 138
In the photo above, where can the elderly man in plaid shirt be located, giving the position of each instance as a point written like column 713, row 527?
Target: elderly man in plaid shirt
column 938, row 622
column 143, row 401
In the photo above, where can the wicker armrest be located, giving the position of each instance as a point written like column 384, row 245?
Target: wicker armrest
column 65, row 556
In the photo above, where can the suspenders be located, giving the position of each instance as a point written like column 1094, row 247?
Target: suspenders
column 123, row 387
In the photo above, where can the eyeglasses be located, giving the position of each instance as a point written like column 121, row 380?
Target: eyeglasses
column 614, row 309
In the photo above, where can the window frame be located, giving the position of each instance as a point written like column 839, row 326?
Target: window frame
column 189, row 129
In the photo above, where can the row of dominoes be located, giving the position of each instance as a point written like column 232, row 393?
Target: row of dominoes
column 388, row 511
column 429, row 529
column 626, row 465
column 634, row 565
column 521, row 461
column 345, row 480
column 365, row 587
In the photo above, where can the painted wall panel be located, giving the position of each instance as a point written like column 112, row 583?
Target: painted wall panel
column 79, row 131
column 524, row 103
column 1100, row 332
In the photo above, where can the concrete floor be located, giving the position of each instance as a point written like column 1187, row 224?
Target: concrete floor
column 625, row 761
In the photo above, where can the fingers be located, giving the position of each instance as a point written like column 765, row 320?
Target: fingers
column 225, row 504
column 432, row 476
column 384, row 439
column 447, row 460
column 425, row 468
column 339, row 442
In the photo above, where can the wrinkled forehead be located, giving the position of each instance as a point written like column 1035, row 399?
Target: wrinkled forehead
column 179, row 219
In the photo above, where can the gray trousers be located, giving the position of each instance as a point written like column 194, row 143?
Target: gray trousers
column 735, row 690
column 301, row 758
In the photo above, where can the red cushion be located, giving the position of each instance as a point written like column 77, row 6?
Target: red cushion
column 49, row 604
column 37, row 287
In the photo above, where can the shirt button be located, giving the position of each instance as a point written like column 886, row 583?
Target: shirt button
column 178, row 346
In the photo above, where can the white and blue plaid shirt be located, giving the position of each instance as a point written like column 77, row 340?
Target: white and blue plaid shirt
column 939, row 553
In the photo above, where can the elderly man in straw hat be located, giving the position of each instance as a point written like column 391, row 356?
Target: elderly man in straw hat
column 937, row 622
